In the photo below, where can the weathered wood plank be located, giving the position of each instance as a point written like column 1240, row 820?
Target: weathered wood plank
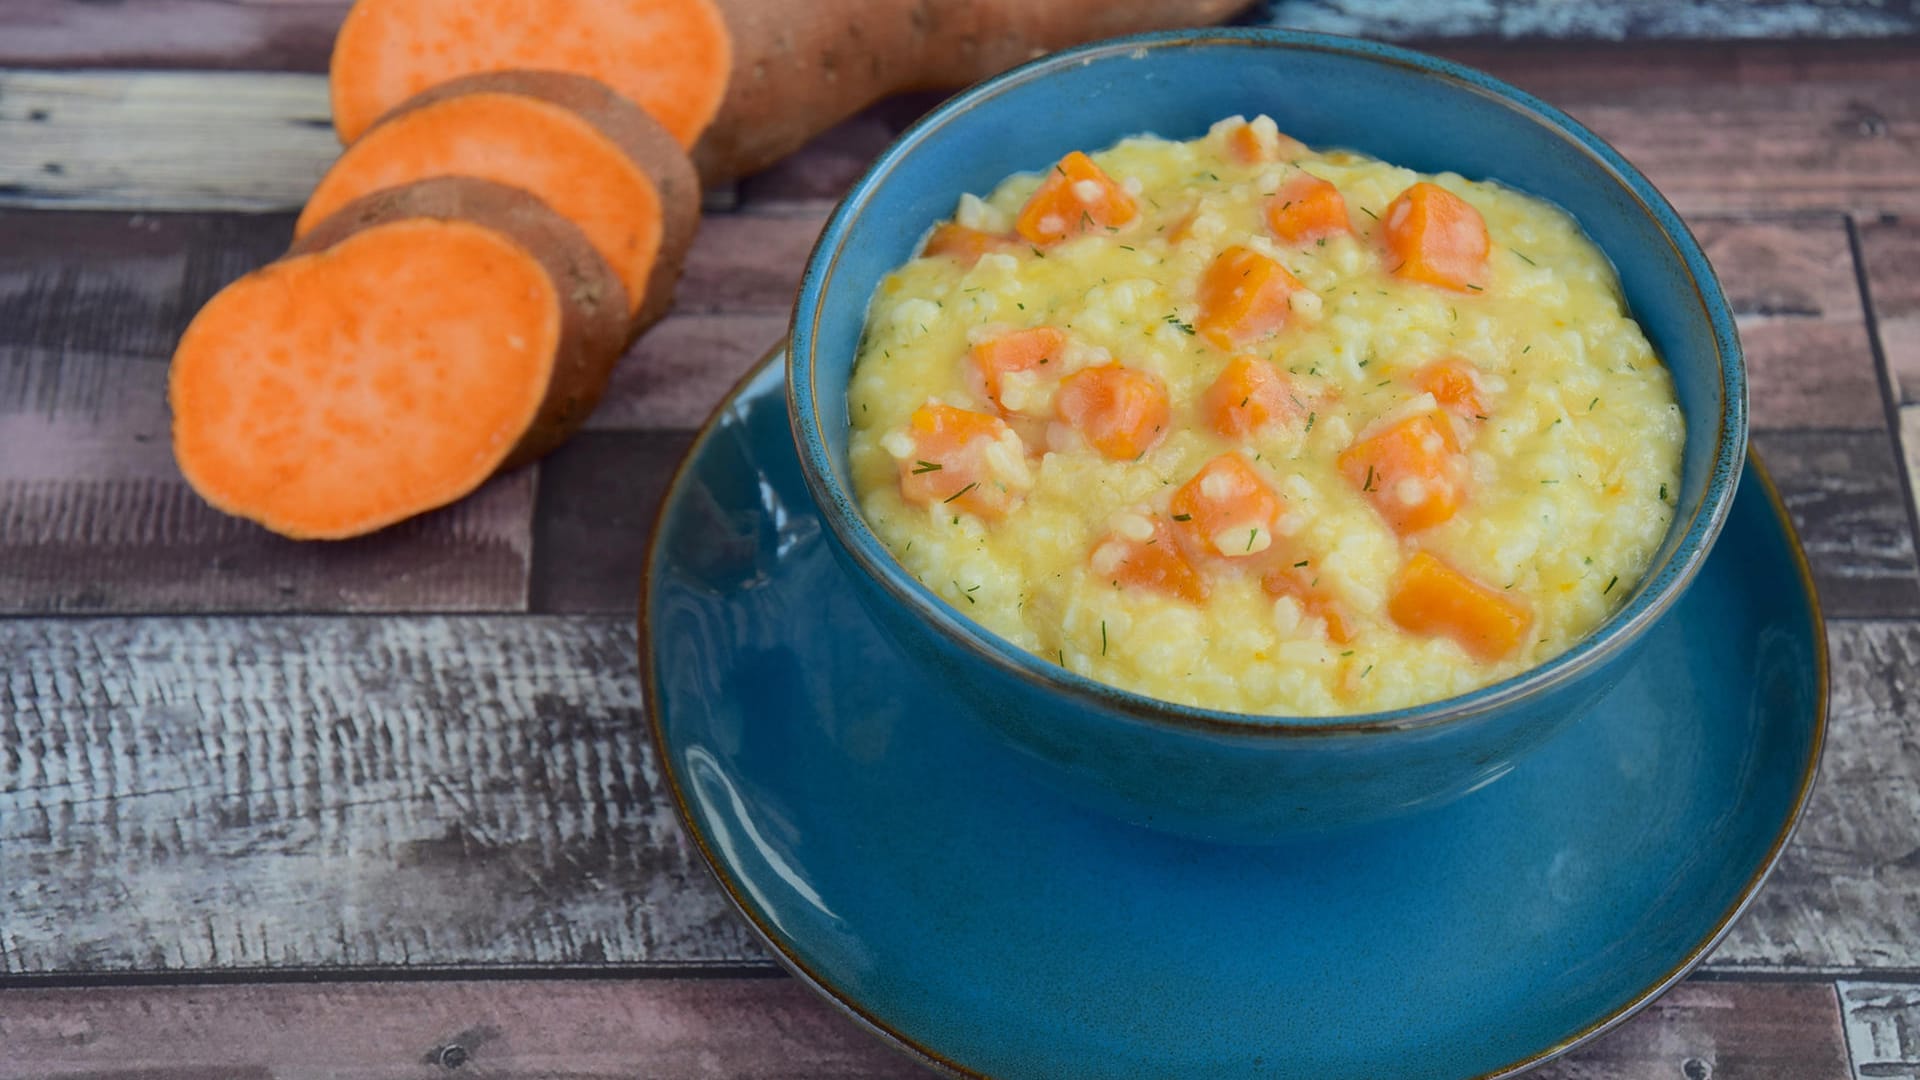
column 1797, row 299
column 1736, row 1030
column 263, row 35
column 747, row 262
column 232, row 794
column 676, row 374
column 1614, row 20
column 599, row 496
column 1890, row 251
column 272, row 793
column 1883, row 1028
column 1841, row 899
column 1843, row 489
column 716, row 1029
column 733, row 1028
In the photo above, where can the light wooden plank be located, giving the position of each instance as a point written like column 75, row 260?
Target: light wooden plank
column 1890, row 250
column 688, row 1029
column 254, row 793
column 1797, row 299
column 1883, row 1029
column 163, row 140
column 1843, row 490
column 1734, row 1030
column 1841, row 900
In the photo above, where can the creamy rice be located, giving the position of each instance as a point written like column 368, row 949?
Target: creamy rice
column 1545, row 430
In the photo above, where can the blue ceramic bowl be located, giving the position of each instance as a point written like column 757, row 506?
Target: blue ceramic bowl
column 1203, row 772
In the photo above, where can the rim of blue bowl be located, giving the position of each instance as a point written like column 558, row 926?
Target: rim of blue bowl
column 1654, row 596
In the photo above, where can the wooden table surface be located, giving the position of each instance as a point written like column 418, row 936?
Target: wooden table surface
column 387, row 808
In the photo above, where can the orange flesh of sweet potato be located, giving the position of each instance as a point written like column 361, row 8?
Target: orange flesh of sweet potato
column 1298, row 582
column 1121, row 412
column 1437, row 237
column 1248, row 396
column 1453, row 384
column 1156, row 563
column 1076, row 196
column 1307, row 208
column 566, row 139
column 1243, row 297
column 1227, row 509
column 1412, row 471
column 673, row 58
column 953, row 462
column 961, row 243
column 1016, row 353
column 332, row 394
column 1430, row 597
column 1250, row 147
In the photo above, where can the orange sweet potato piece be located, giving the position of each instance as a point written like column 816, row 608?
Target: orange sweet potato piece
column 1226, row 509
column 959, row 242
column 411, row 346
column 1429, row 597
column 964, row 459
column 1455, row 384
column 1155, row 563
column 1297, row 582
column 1015, row 353
column 673, row 58
column 1437, row 237
column 1307, row 208
column 597, row 159
column 1249, row 395
column 1244, row 297
column 1121, row 412
column 1077, row 195
column 1411, row 470
column 1251, row 145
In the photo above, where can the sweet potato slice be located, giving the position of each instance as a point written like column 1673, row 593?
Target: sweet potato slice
column 1438, row 238
column 1076, row 196
column 962, row 459
column 413, row 345
column 673, row 58
column 1121, row 412
column 1142, row 554
column 1430, row 597
column 594, row 157
column 1227, row 509
column 1411, row 470
column 1306, row 209
column 1244, row 296
column 1010, row 366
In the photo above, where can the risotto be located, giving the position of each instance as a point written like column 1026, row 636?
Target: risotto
column 1244, row 425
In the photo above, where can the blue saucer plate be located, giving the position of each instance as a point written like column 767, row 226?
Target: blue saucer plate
column 899, row 860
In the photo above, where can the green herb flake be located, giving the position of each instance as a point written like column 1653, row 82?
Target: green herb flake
column 1302, row 562
column 1367, row 672
column 1368, row 485
column 1103, row 637
column 1183, row 517
column 1370, row 213
column 1311, row 417
column 1252, row 535
column 1615, row 580
column 927, row 467
column 1663, row 493
column 961, row 492
column 1523, row 257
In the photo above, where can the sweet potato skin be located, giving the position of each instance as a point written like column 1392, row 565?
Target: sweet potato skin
column 794, row 76
column 627, row 126
column 594, row 306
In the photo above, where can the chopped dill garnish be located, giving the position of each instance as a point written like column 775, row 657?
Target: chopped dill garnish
column 961, row 492
column 1610, row 584
column 1103, row 637
column 927, row 467
column 1183, row 517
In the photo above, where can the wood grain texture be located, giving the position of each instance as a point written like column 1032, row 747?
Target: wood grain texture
column 1890, row 253
column 686, row 1029
column 1883, row 1028
column 1841, row 899
column 599, row 496
column 1843, row 490
column 1796, row 297
column 1616, row 20
column 679, row 371
column 739, row 1029
column 1733, row 1030
column 273, row 793
column 264, row 35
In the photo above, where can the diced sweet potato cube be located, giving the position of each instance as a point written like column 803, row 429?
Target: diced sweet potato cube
column 1244, row 296
column 1307, row 208
column 1249, row 395
column 1298, row 582
column 1143, row 554
column 967, row 460
column 1455, row 384
column 1227, row 509
column 1436, row 237
column 1412, row 471
column 1430, row 597
column 1027, row 353
column 1259, row 141
column 1076, row 195
column 962, row 243
column 1121, row 412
